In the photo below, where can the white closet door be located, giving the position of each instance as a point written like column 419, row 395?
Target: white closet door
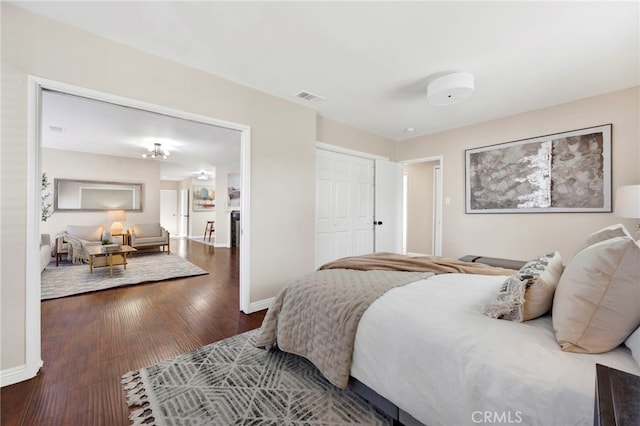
column 388, row 206
column 362, row 206
column 344, row 206
column 169, row 210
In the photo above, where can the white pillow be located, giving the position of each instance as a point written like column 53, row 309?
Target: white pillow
column 596, row 307
column 633, row 343
column 617, row 230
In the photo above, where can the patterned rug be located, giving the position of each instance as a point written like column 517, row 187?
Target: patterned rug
column 232, row 382
column 69, row 279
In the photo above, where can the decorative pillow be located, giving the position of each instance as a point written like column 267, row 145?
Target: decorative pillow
column 596, row 307
column 87, row 233
column 146, row 230
column 529, row 293
column 604, row 234
column 633, row 343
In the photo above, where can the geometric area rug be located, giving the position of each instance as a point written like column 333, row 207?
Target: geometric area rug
column 231, row 382
column 69, row 279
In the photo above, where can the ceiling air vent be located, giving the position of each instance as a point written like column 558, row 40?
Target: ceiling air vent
column 310, row 97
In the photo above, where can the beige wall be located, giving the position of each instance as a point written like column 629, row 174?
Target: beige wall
column 79, row 165
column 522, row 236
column 169, row 184
column 336, row 133
column 283, row 145
column 420, row 207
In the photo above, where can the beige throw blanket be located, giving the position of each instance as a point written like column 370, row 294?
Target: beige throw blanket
column 75, row 250
column 317, row 316
column 398, row 262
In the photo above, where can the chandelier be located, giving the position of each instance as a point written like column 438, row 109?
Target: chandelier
column 156, row 152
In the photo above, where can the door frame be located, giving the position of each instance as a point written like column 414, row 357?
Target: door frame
column 35, row 86
column 185, row 195
column 437, row 228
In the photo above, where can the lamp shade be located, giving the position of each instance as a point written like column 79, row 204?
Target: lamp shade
column 628, row 201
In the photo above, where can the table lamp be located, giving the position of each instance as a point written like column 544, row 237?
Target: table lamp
column 628, row 203
column 116, row 216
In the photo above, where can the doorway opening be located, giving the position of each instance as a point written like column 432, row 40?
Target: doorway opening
column 422, row 206
column 39, row 85
column 36, row 86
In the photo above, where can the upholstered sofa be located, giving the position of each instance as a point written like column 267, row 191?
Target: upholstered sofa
column 45, row 251
column 71, row 243
column 148, row 235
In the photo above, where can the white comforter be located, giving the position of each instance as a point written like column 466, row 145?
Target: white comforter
column 427, row 348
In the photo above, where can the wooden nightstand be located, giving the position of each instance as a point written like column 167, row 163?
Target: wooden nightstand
column 617, row 398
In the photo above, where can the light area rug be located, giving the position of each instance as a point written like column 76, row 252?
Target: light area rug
column 69, row 279
column 232, row 382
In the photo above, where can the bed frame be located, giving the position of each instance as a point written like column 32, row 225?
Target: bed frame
column 400, row 417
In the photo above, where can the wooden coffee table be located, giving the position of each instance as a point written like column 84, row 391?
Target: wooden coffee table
column 99, row 259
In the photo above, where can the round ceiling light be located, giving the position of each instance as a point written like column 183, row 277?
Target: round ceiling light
column 450, row 89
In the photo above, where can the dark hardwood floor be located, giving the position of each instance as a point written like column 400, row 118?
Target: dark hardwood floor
column 89, row 341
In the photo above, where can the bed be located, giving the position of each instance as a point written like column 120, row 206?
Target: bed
column 432, row 349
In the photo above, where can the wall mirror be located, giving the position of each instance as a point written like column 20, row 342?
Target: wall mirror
column 92, row 195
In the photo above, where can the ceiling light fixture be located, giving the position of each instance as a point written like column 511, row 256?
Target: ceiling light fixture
column 156, row 152
column 450, row 89
column 203, row 176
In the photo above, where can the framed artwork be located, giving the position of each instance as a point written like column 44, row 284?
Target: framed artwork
column 233, row 182
column 204, row 198
column 563, row 172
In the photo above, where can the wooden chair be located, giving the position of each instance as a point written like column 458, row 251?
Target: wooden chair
column 209, row 228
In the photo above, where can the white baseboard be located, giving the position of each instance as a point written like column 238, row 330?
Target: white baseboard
column 16, row 374
column 260, row 305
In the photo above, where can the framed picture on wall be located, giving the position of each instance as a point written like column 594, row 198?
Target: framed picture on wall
column 204, row 198
column 562, row 172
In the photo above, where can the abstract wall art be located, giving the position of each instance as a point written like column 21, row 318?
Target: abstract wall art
column 562, row 172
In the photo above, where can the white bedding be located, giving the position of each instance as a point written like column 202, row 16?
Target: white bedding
column 427, row 348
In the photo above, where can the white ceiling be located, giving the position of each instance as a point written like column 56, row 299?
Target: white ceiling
column 372, row 60
column 79, row 124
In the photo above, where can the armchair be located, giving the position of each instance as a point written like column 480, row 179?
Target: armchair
column 146, row 235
